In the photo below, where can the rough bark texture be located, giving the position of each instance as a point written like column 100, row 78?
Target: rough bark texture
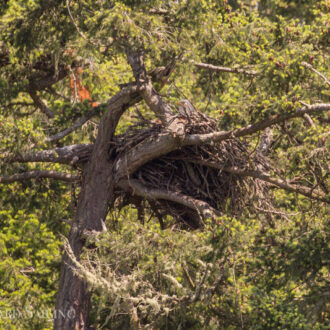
column 73, row 301
column 95, row 196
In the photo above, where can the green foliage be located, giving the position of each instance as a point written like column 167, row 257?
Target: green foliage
column 29, row 254
column 291, row 260
column 248, row 276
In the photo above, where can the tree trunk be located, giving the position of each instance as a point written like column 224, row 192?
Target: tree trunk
column 73, row 300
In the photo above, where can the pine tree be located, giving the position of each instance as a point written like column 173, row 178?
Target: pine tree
column 90, row 106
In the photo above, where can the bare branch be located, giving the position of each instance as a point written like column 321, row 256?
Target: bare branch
column 152, row 98
column 41, row 105
column 76, row 26
column 225, row 69
column 309, row 120
column 67, row 177
column 251, row 72
column 65, row 155
column 154, row 194
column 307, row 65
column 308, row 192
column 198, row 139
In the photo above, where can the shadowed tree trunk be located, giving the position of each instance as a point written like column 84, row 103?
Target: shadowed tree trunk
column 73, row 301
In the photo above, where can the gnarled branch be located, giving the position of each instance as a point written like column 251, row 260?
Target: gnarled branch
column 155, row 102
column 138, row 189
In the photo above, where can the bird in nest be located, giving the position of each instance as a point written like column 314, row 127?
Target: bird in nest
column 186, row 109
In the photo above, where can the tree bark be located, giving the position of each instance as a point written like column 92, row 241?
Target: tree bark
column 73, row 300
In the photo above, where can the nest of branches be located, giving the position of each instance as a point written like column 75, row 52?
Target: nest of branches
column 196, row 175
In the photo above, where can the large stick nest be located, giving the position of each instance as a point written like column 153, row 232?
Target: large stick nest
column 199, row 172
